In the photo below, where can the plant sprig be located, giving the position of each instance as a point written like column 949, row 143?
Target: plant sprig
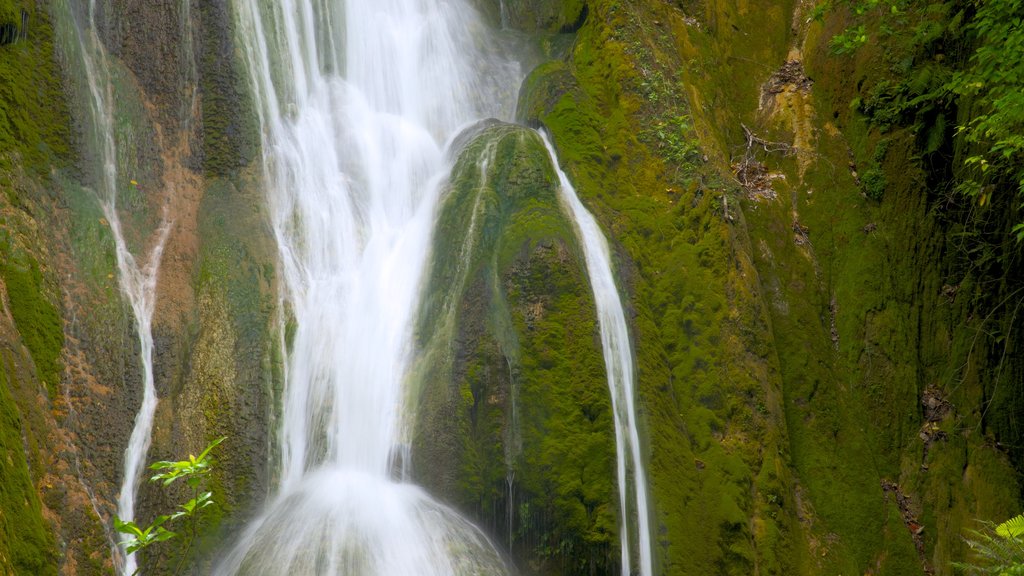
column 192, row 470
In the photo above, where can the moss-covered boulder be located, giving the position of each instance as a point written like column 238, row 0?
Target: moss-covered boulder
column 514, row 423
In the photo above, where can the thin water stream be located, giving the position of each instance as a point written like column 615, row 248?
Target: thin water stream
column 137, row 283
column 618, row 361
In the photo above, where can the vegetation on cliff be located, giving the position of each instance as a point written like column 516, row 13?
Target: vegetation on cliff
column 816, row 213
column 838, row 278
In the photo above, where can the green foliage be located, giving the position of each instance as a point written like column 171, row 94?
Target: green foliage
column 853, row 37
column 874, row 183
column 849, row 40
column 993, row 85
column 676, row 141
column 193, row 471
column 996, row 550
column 1012, row 528
column 143, row 537
column 989, row 85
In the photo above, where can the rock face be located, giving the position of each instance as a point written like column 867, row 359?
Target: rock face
column 70, row 368
column 786, row 341
column 827, row 349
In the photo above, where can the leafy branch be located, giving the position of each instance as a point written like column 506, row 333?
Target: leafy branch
column 193, row 471
column 993, row 84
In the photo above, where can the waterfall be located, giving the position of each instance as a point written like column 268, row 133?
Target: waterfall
column 137, row 284
column 618, row 361
column 356, row 101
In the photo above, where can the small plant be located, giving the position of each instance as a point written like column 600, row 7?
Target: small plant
column 192, row 471
column 997, row 549
column 874, row 183
column 848, row 41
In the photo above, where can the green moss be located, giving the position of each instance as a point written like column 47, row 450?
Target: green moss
column 92, row 241
column 34, row 121
column 515, row 403
column 26, row 543
column 230, row 133
column 705, row 404
column 37, row 319
column 10, row 12
column 544, row 15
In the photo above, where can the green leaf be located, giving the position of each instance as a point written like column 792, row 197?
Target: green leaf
column 128, row 527
column 1014, row 527
column 163, row 535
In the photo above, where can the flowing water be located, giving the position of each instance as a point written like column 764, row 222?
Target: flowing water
column 618, row 362
column 138, row 284
column 356, row 101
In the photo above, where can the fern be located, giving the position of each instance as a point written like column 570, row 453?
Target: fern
column 996, row 550
column 1012, row 528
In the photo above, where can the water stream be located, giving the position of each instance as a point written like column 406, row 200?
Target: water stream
column 618, row 361
column 137, row 283
column 356, row 101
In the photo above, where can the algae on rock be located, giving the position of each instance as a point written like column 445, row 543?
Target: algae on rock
column 513, row 421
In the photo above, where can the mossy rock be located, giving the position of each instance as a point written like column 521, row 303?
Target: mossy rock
column 230, row 131
column 514, row 423
column 36, row 317
column 10, row 12
column 34, row 120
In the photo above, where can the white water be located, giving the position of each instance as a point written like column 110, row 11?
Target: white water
column 137, row 284
column 356, row 101
column 618, row 362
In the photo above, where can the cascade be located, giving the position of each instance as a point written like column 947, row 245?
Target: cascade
column 137, row 283
column 356, row 101
column 618, row 360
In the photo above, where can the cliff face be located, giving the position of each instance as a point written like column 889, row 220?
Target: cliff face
column 71, row 366
column 817, row 344
column 825, row 337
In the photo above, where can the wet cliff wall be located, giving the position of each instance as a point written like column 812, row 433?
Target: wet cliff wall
column 809, row 332
column 825, row 337
column 71, row 361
